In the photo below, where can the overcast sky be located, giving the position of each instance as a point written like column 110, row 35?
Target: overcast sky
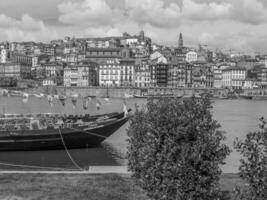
column 226, row 24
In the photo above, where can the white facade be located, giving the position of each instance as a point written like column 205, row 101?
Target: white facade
column 76, row 76
column 3, row 55
column 264, row 62
column 49, row 82
column 130, row 41
column 50, row 70
column 218, row 75
column 110, row 74
column 191, row 56
column 142, row 76
column 115, row 74
column 233, row 78
column 35, row 61
column 155, row 55
column 98, row 43
column 158, row 58
column 68, row 50
column 248, row 84
column 127, row 75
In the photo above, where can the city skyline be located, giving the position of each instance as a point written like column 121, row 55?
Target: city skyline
column 238, row 24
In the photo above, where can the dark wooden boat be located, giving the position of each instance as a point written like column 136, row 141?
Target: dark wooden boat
column 245, row 96
column 89, row 118
column 197, row 96
column 60, row 135
column 259, row 97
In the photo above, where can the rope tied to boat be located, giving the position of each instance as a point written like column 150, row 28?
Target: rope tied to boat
column 68, row 153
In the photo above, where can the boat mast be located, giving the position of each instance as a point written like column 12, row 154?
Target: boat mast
column 107, row 91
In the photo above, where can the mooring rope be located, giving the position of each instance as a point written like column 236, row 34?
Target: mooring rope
column 68, row 153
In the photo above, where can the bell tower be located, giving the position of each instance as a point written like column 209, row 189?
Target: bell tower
column 181, row 41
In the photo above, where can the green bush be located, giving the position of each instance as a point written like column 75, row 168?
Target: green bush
column 175, row 149
column 253, row 168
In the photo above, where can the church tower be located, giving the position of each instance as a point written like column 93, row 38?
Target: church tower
column 181, row 41
column 142, row 36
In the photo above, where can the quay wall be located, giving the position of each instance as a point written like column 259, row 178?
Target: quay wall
column 120, row 92
column 255, row 91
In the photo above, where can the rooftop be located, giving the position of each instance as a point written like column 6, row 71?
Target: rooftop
column 234, row 69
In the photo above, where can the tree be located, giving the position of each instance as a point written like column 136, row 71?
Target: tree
column 175, row 149
column 253, row 168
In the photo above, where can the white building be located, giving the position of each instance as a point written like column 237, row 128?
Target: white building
column 191, row 56
column 142, row 75
column 233, row 77
column 3, row 55
column 127, row 72
column 158, row 58
column 49, row 82
column 217, row 75
column 110, row 73
column 76, row 76
column 52, row 69
column 131, row 41
column 263, row 61
column 115, row 73
column 248, row 84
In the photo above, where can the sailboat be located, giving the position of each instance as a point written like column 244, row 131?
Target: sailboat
column 51, row 131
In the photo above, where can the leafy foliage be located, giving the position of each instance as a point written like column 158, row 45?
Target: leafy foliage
column 175, row 149
column 253, row 167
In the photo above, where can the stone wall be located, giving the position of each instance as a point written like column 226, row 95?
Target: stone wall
column 120, row 92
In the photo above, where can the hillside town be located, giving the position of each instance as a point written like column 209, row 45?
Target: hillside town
column 127, row 61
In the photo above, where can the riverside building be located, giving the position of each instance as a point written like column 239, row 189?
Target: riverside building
column 81, row 74
column 233, row 77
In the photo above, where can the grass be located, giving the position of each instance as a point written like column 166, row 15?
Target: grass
column 91, row 187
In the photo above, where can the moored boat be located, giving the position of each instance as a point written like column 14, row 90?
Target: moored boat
column 190, row 96
column 56, row 133
column 244, row 96
column 259, row 97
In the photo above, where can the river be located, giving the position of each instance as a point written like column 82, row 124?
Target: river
column 237, row 118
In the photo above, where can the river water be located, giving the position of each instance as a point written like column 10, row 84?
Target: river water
column 237, row 118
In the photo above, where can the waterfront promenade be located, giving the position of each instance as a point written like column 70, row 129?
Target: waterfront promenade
column 91, row 170
column 119, row 92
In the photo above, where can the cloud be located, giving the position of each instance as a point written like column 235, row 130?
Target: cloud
column 25, row 29
column 160, row 13
column 89, row 12
column 205, row 11
column 153, row 12
column 249, row 11
column 243, row 11
column 100, row 32
column 100, row 13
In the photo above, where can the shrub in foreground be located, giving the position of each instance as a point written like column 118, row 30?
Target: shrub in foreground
column 175, row 149
column 253, row 168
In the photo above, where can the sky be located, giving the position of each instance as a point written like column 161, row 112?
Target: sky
column 240, row 25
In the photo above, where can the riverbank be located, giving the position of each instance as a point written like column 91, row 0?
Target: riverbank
column 128, row 92
column 93, row 187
